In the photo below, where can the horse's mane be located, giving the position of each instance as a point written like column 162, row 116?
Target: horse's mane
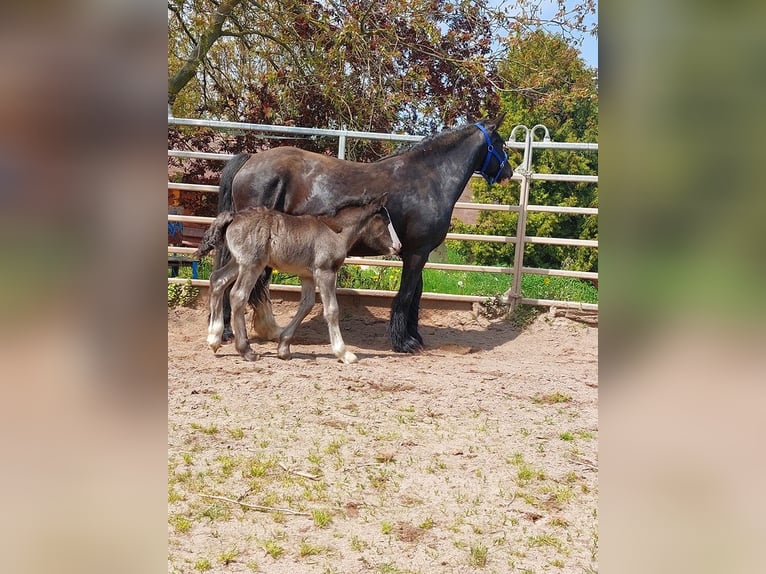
column 424, row 143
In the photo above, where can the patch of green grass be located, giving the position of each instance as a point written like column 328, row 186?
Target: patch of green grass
column 216, row 512
column 228, row 556
column 358, row 544
column 256, row 467
column 236, row 433
column 567, row 436
column 228, row 464
column 561, row 288
column 179, row 523
column 386, row 527
column 427, row 524
column 478, row 555
column 212, row 429
column 552, row 398
column 334, row 446
column 545, row 540
column 202, row 565
column 321, row 517
column 273, row 549
column 307, row 549
column 461, row 282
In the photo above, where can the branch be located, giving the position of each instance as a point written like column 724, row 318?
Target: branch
column 258, row 507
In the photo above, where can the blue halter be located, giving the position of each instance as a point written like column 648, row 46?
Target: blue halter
column 491, row 152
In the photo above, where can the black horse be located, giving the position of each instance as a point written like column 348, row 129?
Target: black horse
column 423, row 183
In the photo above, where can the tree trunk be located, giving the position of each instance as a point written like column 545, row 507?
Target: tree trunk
column 214, row 31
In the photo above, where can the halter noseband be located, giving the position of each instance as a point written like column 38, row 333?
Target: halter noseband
column 491, row 152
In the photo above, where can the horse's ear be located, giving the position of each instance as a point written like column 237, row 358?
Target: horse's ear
column 492, row 125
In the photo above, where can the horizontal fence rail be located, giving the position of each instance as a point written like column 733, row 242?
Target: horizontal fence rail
column 522, row 174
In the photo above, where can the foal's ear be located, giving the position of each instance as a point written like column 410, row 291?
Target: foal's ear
column 492, row 125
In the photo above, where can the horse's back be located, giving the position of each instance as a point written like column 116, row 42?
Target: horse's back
column 280, row 178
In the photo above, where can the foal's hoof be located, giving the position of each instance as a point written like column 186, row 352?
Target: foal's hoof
column 349, row 358
column 215, row 346
column 250, row 355
column 284, row 354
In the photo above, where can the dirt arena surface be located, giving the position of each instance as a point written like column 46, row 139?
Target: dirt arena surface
column 478, row 455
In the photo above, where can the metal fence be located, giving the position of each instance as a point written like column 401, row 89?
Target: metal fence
column 534, row 138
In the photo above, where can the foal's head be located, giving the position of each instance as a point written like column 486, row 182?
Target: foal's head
column 376, row 228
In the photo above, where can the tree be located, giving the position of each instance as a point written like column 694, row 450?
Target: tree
column 544, row 81
column 368, row 64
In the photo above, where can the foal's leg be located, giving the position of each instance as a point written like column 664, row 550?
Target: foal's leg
column 248, row 275
column 263, row 316
column 219, row 282
column 327, row 281
column 308, row 297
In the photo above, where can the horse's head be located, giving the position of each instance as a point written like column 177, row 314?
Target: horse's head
column 493, row 163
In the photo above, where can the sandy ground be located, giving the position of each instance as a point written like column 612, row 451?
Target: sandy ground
column 478, row 455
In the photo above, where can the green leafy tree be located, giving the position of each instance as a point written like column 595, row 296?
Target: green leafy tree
column 544, row 81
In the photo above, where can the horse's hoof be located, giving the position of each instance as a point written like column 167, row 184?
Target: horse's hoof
column 285, row 355
column 349, row 358
column 250, row 355
column 215, row 346
column 228, row 335
column 410, row 345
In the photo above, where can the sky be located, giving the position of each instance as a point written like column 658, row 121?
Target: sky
column 589, row 46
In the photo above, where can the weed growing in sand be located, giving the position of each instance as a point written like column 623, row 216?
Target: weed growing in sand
column 551, row 399
column 307, row 549
column 216, row 512
column 256, row 467
column 212, row 429
column 179, row 523
column 321, row 517
column 545, row 540
column 478, row 555
column 567, row 436
column 273, row 549
column 427, row 524
column 386, row 527
column 228, row 464
column 203, row 564
column 174, row 496
column 357, row 544
column 236, row 433
column 228, row 556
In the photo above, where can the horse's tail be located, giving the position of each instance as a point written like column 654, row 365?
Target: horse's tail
column 225, row 201
column 213, row 238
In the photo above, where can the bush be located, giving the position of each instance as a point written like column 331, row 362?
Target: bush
column 182, row 294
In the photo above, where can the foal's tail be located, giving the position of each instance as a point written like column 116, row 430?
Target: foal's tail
column 213, row 238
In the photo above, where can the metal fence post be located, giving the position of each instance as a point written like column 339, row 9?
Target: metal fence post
column 342, row 145
column 513, row 295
